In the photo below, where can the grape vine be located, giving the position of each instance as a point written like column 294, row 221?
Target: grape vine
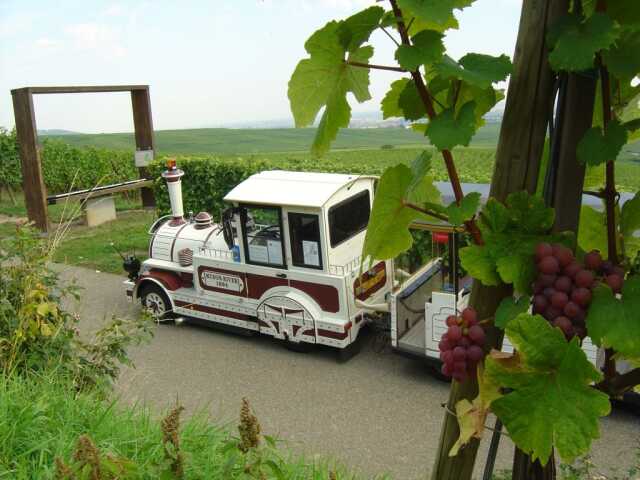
column 571, row 294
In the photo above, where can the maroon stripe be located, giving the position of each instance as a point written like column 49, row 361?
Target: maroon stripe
column 332, row 334
column 379, row 267
column 213, row 311
column 170, row 280
column 258, row 284
column 325, row 295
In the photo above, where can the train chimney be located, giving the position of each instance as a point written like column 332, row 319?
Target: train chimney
column 173, row 176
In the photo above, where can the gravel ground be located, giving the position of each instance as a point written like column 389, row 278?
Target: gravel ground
column 378, row 412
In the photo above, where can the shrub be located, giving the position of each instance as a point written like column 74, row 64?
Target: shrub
column 37, row 334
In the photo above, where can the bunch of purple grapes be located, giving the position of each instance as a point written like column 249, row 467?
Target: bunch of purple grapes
column 563, row 289
column 461, row 345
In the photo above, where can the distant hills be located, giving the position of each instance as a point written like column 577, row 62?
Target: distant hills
column 57, row 132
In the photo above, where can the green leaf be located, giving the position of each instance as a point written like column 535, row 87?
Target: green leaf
column 324, row 79
column 630, row 216
column 388, row 232
column 575, row 42
column 476, row 260
column 494, row 217
column 509, row 309
column 422, row 189
column 552, row 404
column 615, row 323
column 438, row 12
column 427, row 48
column 448, row 130
column 476, row 69
column 420, row 167
column 596, row 148
column 529, row 212
column 402, row 100
column 458, row 214
column 592, row 231
column 518, row 269
column 356, row 30
column 623, row 59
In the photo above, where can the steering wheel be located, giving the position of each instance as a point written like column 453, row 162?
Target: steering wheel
column 272, row 231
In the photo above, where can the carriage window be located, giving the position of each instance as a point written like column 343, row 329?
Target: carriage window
column 304, row 232
column 262, row 227
column 349, row 217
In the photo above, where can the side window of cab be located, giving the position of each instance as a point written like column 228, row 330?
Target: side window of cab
column 304, row 237
column 262, row 235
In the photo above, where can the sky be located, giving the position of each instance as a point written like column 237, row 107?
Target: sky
column 208, row 63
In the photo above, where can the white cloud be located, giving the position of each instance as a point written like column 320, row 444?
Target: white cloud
column 47, row 43
column 114, row 10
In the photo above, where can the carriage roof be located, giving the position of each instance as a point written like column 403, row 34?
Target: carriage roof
column 284, row 188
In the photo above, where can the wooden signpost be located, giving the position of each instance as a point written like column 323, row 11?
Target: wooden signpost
column 32, row 181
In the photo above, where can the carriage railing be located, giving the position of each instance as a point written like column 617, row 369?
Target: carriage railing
column 216, row 253
column 346, row 268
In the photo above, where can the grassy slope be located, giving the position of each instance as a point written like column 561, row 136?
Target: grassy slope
column 41, row 418
column 241, row 141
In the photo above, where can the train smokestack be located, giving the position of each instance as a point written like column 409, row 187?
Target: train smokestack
column 173, row 175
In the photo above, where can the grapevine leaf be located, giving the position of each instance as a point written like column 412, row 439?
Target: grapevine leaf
column 422, row 190
column 427, row 48
column 630, row 216
column 324, row 79
column 476, row 69
column 447, row 129
column 494, row 217
column 592, row 233
column 615, row 323
column 509, row 309
column 357, row 29
column 388, row 232
column 510, row 232
column 477, row 261
column 575, row 42
column 518, row 269
column 438, row 12
column 458, row 214
column 472, row 415
column 625, row 12
column 485, row 98
column 596, row 148
column 551, row 404
column 529, row 212
column 622, row 59
column 402, row 100
column 420, row 167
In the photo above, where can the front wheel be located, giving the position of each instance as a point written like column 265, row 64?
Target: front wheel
column 156, row 302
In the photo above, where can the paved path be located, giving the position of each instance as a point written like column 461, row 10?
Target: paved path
column 376, row 413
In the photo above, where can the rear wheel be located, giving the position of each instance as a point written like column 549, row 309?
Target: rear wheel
column 156, row 302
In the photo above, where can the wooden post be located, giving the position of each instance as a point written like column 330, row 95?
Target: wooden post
column 143, row 126
column 32, row 181
column 520, row 147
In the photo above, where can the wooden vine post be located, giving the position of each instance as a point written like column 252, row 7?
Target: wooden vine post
column 527, row 110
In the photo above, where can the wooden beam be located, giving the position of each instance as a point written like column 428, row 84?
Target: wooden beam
column 86, row 89
column 32, row 181
column 143, row 126
column 99, row 191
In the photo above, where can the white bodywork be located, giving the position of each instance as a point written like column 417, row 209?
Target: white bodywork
column 420, row 334
column 314, row 304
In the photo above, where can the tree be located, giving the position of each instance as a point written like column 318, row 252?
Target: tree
column 520, row 244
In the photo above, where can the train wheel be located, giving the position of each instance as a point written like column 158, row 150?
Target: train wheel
column 156, row 302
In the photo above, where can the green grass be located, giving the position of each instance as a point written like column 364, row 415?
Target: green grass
column 58, row 212
column 257, row 140
column 91, row 247
column 41, row 418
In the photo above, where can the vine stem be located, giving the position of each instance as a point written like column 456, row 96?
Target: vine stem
column 609, row 191
column 618, row 384
column 375, row 67
column 425, row 211
column 425, row 96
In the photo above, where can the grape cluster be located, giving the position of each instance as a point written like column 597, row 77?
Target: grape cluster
column 461, row 345
column 563, row 289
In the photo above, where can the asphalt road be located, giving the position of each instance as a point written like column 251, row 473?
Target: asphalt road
column 378, row 412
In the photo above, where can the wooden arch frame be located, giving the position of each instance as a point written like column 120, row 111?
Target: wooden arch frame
column 32, row 181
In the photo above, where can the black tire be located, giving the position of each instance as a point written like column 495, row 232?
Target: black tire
column 155, row 300
column 299, row 347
